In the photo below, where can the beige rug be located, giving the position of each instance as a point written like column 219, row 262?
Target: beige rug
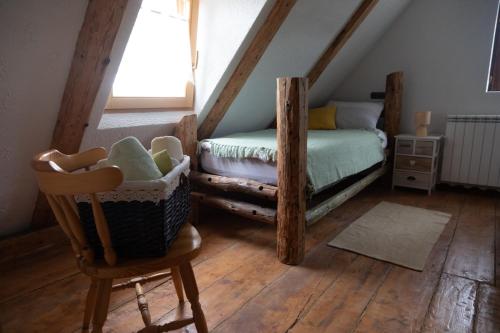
column 403, row 235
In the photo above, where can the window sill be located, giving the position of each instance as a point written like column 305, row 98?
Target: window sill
column 123, row 119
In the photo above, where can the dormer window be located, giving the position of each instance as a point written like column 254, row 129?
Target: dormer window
column 156, row 70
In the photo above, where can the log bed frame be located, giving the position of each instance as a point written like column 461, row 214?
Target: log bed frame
column 286, row 205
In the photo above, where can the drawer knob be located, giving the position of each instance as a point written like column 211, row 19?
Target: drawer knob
column 412, row 162
column 411, row 178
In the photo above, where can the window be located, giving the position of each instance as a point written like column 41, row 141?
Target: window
column 494, row 77
column 156, row 70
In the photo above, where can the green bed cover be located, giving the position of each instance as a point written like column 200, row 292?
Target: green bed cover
column 331, row 155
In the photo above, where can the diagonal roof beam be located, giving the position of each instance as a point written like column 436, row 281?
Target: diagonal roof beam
column 347, row 31
column 90, row 60
column 245, row 67
column 336, row 45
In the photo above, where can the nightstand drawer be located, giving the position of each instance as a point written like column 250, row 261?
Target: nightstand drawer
column 425, row 148
column 422, row 164
column 404, row 147
column 412, row 179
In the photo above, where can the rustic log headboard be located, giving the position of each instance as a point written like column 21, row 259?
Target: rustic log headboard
column 392, row 97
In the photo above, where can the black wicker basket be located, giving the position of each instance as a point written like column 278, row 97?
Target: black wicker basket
column 140, row 229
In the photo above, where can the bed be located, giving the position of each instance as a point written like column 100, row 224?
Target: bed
column 331, row 155
column 289, row 176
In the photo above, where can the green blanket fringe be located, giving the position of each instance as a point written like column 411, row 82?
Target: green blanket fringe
column 229, row 151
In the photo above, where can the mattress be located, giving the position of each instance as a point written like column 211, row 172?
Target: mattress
column 250, row 168
column 338, row 154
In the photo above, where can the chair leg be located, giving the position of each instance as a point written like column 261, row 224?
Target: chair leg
column 176, row 278
column 102, row 304
column 191, row 289
column 89, row 305
column 142, row 304
column 195, row 211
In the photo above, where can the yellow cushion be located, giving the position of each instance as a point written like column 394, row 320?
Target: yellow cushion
column 323, row 118
column 163, row 161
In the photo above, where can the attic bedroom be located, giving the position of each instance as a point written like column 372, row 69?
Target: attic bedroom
column 250, row 166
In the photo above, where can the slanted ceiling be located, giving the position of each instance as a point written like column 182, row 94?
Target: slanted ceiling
column 306, row 33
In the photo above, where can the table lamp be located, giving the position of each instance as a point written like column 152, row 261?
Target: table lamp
column 422, row 121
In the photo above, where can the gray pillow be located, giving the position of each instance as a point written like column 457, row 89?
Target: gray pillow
column 357, row 115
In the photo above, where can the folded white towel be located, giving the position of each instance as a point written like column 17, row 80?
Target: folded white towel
column 169, row 143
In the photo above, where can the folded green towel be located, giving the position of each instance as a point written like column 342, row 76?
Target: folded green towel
column 133, row 159
column 163, row 161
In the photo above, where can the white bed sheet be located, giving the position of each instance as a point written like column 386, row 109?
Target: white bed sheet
column 251, row 168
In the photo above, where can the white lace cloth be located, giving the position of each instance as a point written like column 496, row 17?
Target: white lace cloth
column 151, row 190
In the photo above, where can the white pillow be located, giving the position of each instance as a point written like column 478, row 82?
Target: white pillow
column 362, row 115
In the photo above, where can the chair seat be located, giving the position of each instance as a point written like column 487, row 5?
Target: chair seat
column 186, row 247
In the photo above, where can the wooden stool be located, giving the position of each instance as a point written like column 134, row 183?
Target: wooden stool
column 56, row 179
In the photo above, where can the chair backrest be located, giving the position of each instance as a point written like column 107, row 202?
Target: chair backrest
column 57, row 178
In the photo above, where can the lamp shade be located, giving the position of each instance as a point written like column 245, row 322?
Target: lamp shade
column 423, row 118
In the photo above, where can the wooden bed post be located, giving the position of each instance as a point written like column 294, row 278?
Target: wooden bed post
column 291, row 110
column 392, row 106
column 185, row 131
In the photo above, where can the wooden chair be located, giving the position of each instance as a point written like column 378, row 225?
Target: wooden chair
column 57, row 179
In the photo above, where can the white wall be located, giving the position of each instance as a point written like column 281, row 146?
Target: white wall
column 37, row 40
column 361, row 42
column 225, row 28
column 305, row 34
column 301, row 39
column 443, row 47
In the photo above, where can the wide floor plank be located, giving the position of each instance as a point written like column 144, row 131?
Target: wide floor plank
column 277, row 307
column 472, row 252
column 453, row 306
column 341, row 305
column 25, row 274
column 488, row 309
column 400, row 304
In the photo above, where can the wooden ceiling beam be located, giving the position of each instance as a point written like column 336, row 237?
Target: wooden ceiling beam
column 338, row 43
column 245, row 67
column 90, row 60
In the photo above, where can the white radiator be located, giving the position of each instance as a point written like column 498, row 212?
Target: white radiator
column 472, row 151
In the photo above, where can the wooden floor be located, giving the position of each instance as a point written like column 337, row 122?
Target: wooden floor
column 243, row 288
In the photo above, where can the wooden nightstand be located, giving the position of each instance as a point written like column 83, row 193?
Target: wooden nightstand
column 416, row 161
